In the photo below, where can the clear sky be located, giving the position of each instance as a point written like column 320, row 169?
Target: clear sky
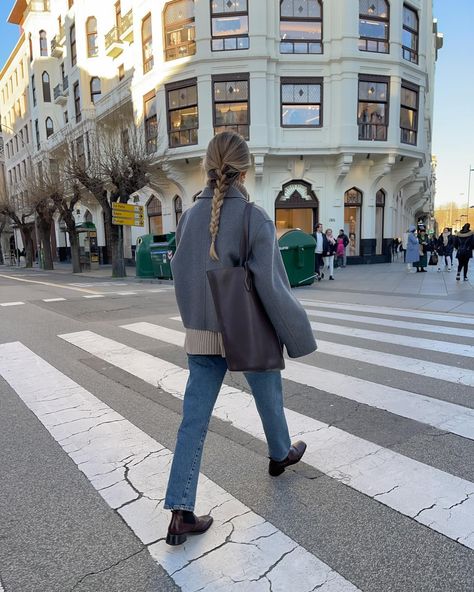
column 453, row 130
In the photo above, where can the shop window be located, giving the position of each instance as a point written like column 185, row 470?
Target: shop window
column 372, row 115
column 155, row 216
column 301, row 26
column 296, row 206
column 353, row 219
column 231, row 104
column 374, row 26
column 229, row 25
column 183, row 119
column 379, row 220
column 179, row 29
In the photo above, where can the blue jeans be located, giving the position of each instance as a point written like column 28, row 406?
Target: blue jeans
column 206, row 374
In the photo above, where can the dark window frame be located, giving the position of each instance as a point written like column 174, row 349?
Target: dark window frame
column 190, row 82
column 46, row 87
column 177, row 208
column 377, row 80
column 377, row 19
column 49, row 128
column 229, row 78
column 148, row 63
column 415, row 88
column 92, row 35
column 43, row 40
column 77, row 102
column 95, row 93
column 217, row 15
column 72, row 44
column 408, row 50
column 298, row 41
column 37, row 134
column 151, row 141
column 33, row 90
column 189, row 45
column 302, row 80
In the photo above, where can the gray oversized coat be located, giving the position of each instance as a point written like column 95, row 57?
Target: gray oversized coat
column 413, row 248
column 191, row 262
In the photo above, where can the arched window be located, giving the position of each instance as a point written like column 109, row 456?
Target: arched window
column 49, row 127
column 88, row 217
column 147, row 44
column 301, row 26
column 46, row 87
column 379, row 220
column 155, row 216
column 374, row 25
column 92, row 37
column 43, row 43
column 296, row 207
column 96, row 90
column 179, row 29
column 352, row 219
column 178, row 208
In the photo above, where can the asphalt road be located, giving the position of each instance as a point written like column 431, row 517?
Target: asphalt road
column 89, row 411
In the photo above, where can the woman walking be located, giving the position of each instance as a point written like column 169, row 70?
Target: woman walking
column 329, row 250
column 208, row 237
column 445, row 249
column 413, row 248
column 423, row 259
column 464, row 243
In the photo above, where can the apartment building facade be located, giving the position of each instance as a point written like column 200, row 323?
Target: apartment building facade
column 334, row 97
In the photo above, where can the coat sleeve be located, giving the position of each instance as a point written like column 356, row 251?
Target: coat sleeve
column 271, row 282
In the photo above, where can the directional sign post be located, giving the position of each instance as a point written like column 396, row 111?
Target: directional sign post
column 127, row 215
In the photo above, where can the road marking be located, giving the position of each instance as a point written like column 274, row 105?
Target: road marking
column 442, row 415
column 155, row 291
column 394, row 312
column 451, row 331
column 54, row 299
column 126, row 293
column 129, row 469
column 62, row 286
column 445, row 347
column 441, row 501
column 5, row 304
column 95, row 296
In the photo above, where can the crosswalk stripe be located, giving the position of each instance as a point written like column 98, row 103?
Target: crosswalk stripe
column 451, row 331
column 441, row 501
column 394, row 312
column 93, row 296
column 129, row 469
column 395, row 362
column 445, row 347
column 126, row 293
column 54, row 299
column 442, row 415
column 7, row 304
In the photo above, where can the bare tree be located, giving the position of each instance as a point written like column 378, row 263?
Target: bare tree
column 3, row 225
column 116, row 166
column 19, row 210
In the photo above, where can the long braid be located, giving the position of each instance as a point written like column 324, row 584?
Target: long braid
column 222, row 186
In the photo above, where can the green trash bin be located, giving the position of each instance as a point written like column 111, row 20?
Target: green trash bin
column 297, row 250
column 162, row 251
column 143, row 262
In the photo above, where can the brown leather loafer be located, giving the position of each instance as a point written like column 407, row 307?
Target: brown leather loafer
column 185, row 523
column 297, row 450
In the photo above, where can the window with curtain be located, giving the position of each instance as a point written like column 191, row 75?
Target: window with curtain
column 46, row 87
column 49, row 127
column 301, row 26
column 96, row 90
column 92, row 37
column 410, row 34
column 229, row 25
column 374, row 26
column 43, row 43
column 179, row 29
column 147, row 44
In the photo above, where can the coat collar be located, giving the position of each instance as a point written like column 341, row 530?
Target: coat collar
column 208, row 192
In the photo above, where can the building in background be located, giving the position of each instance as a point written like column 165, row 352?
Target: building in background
column 335, row 99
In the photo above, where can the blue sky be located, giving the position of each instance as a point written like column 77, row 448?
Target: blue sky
column 453, row 130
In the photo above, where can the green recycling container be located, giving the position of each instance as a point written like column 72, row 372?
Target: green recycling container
column 144, row 267
column 162, row 250
column 297, row 251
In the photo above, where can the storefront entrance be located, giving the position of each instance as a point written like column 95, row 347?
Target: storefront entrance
column 296, row 207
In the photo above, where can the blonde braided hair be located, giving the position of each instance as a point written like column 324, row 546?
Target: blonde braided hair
column 226, row 159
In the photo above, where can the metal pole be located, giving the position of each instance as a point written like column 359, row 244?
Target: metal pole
column 469, row 191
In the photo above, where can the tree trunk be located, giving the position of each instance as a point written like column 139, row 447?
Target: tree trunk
column 75, row 253
column 118, row 261
column 44, row 226
column 27, row 237
column 2, row 227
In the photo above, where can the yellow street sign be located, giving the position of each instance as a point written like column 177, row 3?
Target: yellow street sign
column 128, row 215
column 128, row 221
column 126, row 208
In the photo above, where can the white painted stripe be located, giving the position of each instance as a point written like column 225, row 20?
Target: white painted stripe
column 154, row 291
column 176, row 319
column 441, row 501
column 394, row 312
column 402, row 363
column 54, row 299
column 442, row 415
column 445, row 347
column 61, row 286
column 126, row 293
column 5, row 304
column 415, row 326
column 95, row 296
column 120, row 460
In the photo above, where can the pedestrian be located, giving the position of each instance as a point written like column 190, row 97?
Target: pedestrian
column 318, row 251
column 404, row 246
column 445, row 249
column 329, row 250
column 345, row 239
column 423, row 242
column 464, row 244
column 220, row 210
column 413, row 248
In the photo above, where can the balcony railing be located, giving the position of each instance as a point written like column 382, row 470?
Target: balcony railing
column 113, row 43
column 126, row 27
column 61, row 92
column 372, row 131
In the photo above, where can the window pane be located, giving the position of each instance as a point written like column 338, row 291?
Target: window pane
column 179, row 11
column 236, row 90
column 300, row 30
column 373, row 91
column 301, row 8
column 374, row 29
column 409, row 18
column 374, row 8
column 228, row 6
column 231, row 114
column 301, row 115
column 408, row 118
column 409, row 97
column 233, row 25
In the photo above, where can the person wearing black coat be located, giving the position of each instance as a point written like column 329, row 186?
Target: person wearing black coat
column 464, row 243
column 445, row 249
column 329, row 251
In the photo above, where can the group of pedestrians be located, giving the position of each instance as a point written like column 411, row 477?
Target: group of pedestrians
column 419, row 245
column 329, row 247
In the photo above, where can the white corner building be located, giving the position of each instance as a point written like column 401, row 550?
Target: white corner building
column 335, row 98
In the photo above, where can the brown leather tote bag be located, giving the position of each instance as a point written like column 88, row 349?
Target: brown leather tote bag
column 250, row 340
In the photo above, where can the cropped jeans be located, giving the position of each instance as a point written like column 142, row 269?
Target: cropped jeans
column 206, row 374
